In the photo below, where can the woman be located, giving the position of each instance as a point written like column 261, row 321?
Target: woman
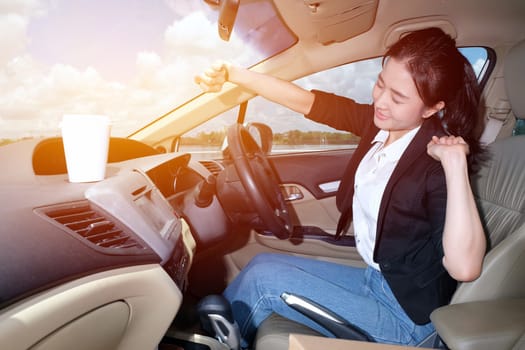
column 406, row 189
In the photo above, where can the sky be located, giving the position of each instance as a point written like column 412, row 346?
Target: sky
column 135, row 58
column 132, row 60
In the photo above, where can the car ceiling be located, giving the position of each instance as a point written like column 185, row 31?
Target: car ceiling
column 475, row 19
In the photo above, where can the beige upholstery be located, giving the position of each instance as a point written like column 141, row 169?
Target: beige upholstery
column 483, row 325
column 489, row 313
column 499, row 189
column 501, row 194
column 273, row 333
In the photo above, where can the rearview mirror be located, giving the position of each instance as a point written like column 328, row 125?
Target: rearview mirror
column 227, row 14
column 262, row 134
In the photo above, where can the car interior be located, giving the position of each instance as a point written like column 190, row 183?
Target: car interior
column 139, row 259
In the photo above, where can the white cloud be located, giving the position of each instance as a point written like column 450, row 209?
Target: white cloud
column 34, row 96
column 148, row 61
column 21, row 7
column 478, row 65
column 191, row 33
column 12, row 36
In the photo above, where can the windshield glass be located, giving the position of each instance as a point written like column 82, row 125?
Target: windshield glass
column 132, row 60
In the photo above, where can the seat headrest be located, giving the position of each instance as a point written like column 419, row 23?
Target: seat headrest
column 514, row 73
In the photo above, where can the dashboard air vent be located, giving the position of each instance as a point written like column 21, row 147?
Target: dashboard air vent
column 91, row 226
column 213, row 166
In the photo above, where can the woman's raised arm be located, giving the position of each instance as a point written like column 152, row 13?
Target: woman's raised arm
column 464, row 241
column 274, row 89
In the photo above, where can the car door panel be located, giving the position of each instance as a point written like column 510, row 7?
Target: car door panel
column 316, row 211
column 306, row 173
column 312, row 169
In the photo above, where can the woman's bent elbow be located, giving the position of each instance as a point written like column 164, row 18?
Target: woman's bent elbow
column 467, row 276
column 464, row 272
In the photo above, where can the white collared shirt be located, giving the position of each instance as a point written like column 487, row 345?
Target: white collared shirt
column 371, row 178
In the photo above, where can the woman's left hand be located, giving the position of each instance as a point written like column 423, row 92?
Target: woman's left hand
column 441, row 147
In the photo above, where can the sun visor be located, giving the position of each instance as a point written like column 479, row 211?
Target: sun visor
column 339, row 20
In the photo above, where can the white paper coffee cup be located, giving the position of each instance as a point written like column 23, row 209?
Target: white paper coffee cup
column 86, row 143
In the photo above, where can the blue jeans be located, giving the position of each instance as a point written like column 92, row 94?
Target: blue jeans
column 360, row 295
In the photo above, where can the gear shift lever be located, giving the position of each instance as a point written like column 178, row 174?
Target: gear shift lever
column 216, row 318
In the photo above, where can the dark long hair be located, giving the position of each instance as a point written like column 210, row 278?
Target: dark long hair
column 441, row 73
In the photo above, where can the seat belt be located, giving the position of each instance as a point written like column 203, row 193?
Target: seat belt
column 497, row 116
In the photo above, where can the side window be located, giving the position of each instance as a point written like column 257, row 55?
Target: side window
column 292, row 132
column 478, row 58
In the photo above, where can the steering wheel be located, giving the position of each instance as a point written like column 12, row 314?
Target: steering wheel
column 260, row 181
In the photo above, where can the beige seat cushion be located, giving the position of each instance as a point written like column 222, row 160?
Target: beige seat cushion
column 482, row 325
column 503, row 273
column 499, row 188
column 274, row 332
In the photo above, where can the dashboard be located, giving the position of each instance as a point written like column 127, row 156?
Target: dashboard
column 54, row 231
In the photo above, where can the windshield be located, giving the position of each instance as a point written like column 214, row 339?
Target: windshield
column 132, row 60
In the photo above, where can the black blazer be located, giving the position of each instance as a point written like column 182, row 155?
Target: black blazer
column 411, row 217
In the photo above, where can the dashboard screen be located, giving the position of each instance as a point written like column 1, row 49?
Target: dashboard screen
column 154, row 211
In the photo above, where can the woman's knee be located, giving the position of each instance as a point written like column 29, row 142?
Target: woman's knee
column 266, row 271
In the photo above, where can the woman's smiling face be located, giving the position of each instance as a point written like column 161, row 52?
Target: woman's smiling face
column 398, row 106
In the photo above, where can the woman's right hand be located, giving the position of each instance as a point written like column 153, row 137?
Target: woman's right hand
column 214, row 77
column 274, row 89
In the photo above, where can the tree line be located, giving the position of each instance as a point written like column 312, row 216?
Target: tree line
column 292, row 137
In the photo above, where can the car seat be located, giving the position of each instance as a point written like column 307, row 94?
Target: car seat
column 488, row 313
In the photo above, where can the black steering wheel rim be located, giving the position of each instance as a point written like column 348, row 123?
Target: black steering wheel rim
column 260, row 181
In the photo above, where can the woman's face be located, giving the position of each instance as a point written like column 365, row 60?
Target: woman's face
column 398, row 106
